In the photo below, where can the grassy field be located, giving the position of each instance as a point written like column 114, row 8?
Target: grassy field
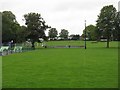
column 95, row 67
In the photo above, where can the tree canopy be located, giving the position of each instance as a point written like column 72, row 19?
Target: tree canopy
column 64, row 34
column 10, row 26
column 90, row 32
column 105, row 22
column 36, row 26
column 52, row 33
column 116, row 30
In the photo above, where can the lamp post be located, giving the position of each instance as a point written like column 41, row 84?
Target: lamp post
column 85, row 35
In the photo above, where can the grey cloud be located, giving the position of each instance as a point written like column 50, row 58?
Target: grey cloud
column 119, row 6
column 76, row 5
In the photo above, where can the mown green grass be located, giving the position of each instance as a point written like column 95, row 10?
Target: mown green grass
column 0, row 72
column 95, row 67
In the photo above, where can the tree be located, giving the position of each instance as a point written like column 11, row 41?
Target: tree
column 74, row 37
column 90, row 32
column 0, row 28
column 105, row 22
column 64, row 34
column 22, row 34
column 35, row 27
column 116, row 30
column 52, row 33
column 10, row 26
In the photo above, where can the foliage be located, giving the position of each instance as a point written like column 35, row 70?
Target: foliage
column 105, row 22
column 74, row 37
column 116, row 30
column 90, row 32
column 35, row 27
column 64, row 34
column 10, row 26
column 52, row 33
column 22, row 34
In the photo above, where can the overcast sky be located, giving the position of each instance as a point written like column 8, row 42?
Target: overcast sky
column 59, row 14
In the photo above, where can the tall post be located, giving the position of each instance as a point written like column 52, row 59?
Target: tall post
column 85, row 35
column 1, row 53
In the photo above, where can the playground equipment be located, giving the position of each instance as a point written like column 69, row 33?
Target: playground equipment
column 17, row 49
column 4, row 50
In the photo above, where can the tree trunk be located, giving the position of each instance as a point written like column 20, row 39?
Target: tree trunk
column 33, row 46
column 108, row 38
